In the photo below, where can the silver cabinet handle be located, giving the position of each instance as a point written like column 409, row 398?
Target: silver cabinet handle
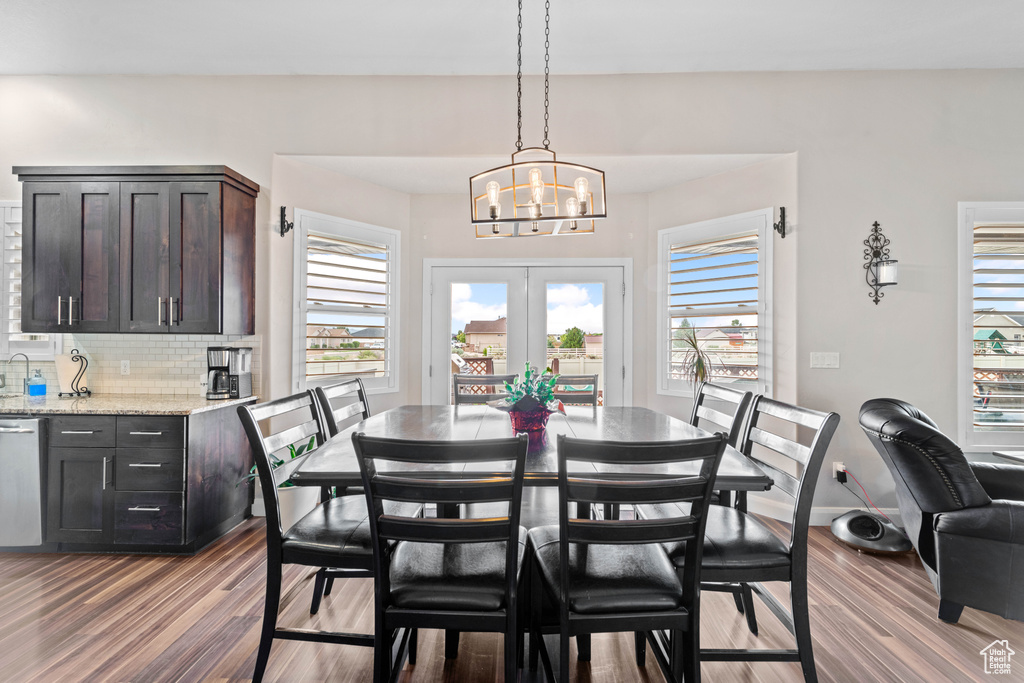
column 174, row 318
column 16, row 430
column 142, row 509
column 71, row 310
column 145, row 433
column 145, row 464
column 104, row 474
column 60, row 308
column 78, row 432
column 159, row 310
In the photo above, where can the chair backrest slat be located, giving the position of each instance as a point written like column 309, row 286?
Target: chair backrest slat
column 427, row 530
column 781, row 480
column 354, row 404
column 631, row 532
column 732, row 424
column 644, row 491
column 259, row 422
column 412, row 490
column 779, row 444
column 491, row 388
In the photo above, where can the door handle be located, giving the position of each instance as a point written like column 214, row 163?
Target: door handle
column 104, row 474
column 145, row 433
column 71, row 310
column 159, row 310
column 60, row 308
column 143, row 509
column 174, row 311
column 144, row 464
column 78, row 432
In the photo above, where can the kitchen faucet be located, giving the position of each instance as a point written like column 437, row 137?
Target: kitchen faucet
column 24, row 388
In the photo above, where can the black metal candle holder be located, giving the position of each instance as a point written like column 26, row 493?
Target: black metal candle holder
column 76, row 388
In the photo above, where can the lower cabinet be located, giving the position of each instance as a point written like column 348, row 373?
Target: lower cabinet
column 145, row 482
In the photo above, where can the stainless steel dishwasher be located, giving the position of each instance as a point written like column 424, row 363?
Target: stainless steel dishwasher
column 22, row 479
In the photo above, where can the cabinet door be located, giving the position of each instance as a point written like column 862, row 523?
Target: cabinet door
column 145, row 257
column 195, row 272
column 80, row 495
column 70, row 257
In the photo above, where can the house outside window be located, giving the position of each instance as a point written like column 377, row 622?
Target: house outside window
column 346, row 299
column 714, row 283
column 991, row 314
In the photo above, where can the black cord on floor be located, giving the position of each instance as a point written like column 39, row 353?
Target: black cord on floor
column 862, row 501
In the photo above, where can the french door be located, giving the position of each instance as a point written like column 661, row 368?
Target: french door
column 494, row 316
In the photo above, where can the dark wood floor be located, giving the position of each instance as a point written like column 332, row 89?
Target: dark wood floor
column 148, row 619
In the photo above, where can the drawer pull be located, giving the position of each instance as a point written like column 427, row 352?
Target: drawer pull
column 142, row 509
column 145, row 464
column 104, row 488
column 16, row 430
column 91, row 431
column 145, row 433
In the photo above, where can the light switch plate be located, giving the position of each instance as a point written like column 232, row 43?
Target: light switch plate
column 825, row 359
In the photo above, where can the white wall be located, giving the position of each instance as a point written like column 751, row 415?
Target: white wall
column 897, row 147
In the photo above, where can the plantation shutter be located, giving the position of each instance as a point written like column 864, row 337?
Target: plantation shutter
column 348, row 307
column 12, row 340
column 998, row 330
column 713, row 289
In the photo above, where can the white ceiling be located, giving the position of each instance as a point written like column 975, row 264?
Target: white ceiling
column 450, row 175
column 443, row 37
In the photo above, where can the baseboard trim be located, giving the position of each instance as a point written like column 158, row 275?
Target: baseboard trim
column 820, row 516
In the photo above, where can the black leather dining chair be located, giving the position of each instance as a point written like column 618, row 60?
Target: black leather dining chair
column 966, row 520
column 477, row 389
column 740, row 551
column 443, row 573
column 608, row 575
column 341, row 405
column 336, row 533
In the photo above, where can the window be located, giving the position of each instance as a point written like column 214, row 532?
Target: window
column 12, row 340
column 346, row 298
column 991, row 372
column 714, row 287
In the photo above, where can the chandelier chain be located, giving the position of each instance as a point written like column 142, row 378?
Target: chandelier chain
column 519, row 80
column 547, row 69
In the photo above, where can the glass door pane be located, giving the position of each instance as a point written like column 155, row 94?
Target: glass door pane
column 575, row 332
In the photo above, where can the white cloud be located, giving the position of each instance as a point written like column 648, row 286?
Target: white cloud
column 588, row 317
column 461, row 291
column 568, row 295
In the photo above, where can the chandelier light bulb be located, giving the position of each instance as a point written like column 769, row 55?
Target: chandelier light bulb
column 536, row 187
column 493, row 190
column 582, row 193
column 572, row 208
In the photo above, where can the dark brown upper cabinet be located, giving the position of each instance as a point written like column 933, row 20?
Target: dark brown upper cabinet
column 70, row 257
column 176, row 253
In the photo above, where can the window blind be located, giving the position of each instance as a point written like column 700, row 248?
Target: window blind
column 12, row 339
column 998, row 330
column 713, row 295
column 347, row 308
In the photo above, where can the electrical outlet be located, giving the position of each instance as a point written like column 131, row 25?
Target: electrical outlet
column 126, row 367
column 837, row 468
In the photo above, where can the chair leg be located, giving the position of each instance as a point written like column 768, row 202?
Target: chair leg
column 328, row 585
column 640, row 648
column 738, row 599
column 682, row 659
column 802, row 627
column 536, row 622
column 381, row 648
column 563, row 654
column 689, row 651
column 413, row 638
column 583, row 647
column 270, row 607
column 748, row 607
column 318, row 590
column 451, row 644
column 950, row 612
column 511, row 649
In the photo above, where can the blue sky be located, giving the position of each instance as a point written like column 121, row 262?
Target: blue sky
column 569, row 305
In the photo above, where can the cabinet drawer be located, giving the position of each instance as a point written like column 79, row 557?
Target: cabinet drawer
column 148, row 517
column 148, row 431
column 150, row 469
column 82, row 431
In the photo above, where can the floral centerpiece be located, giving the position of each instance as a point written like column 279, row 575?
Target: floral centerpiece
column 531, row 400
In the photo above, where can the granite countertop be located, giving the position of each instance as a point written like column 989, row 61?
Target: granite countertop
column 114, row 404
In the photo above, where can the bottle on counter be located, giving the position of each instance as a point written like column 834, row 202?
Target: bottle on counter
column 37, row 384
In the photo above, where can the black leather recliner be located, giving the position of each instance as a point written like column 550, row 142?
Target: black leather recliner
column 966, row 520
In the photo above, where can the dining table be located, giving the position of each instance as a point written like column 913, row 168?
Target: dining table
column 334, row 463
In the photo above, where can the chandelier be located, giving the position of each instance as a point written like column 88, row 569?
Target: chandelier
column 536, row 194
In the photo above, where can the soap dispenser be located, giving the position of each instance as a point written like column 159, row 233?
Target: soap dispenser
column 37, row 384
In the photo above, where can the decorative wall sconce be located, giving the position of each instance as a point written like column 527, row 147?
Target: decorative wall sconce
column 881, row 270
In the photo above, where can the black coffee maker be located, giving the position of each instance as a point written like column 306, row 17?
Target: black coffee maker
column 230, row 372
